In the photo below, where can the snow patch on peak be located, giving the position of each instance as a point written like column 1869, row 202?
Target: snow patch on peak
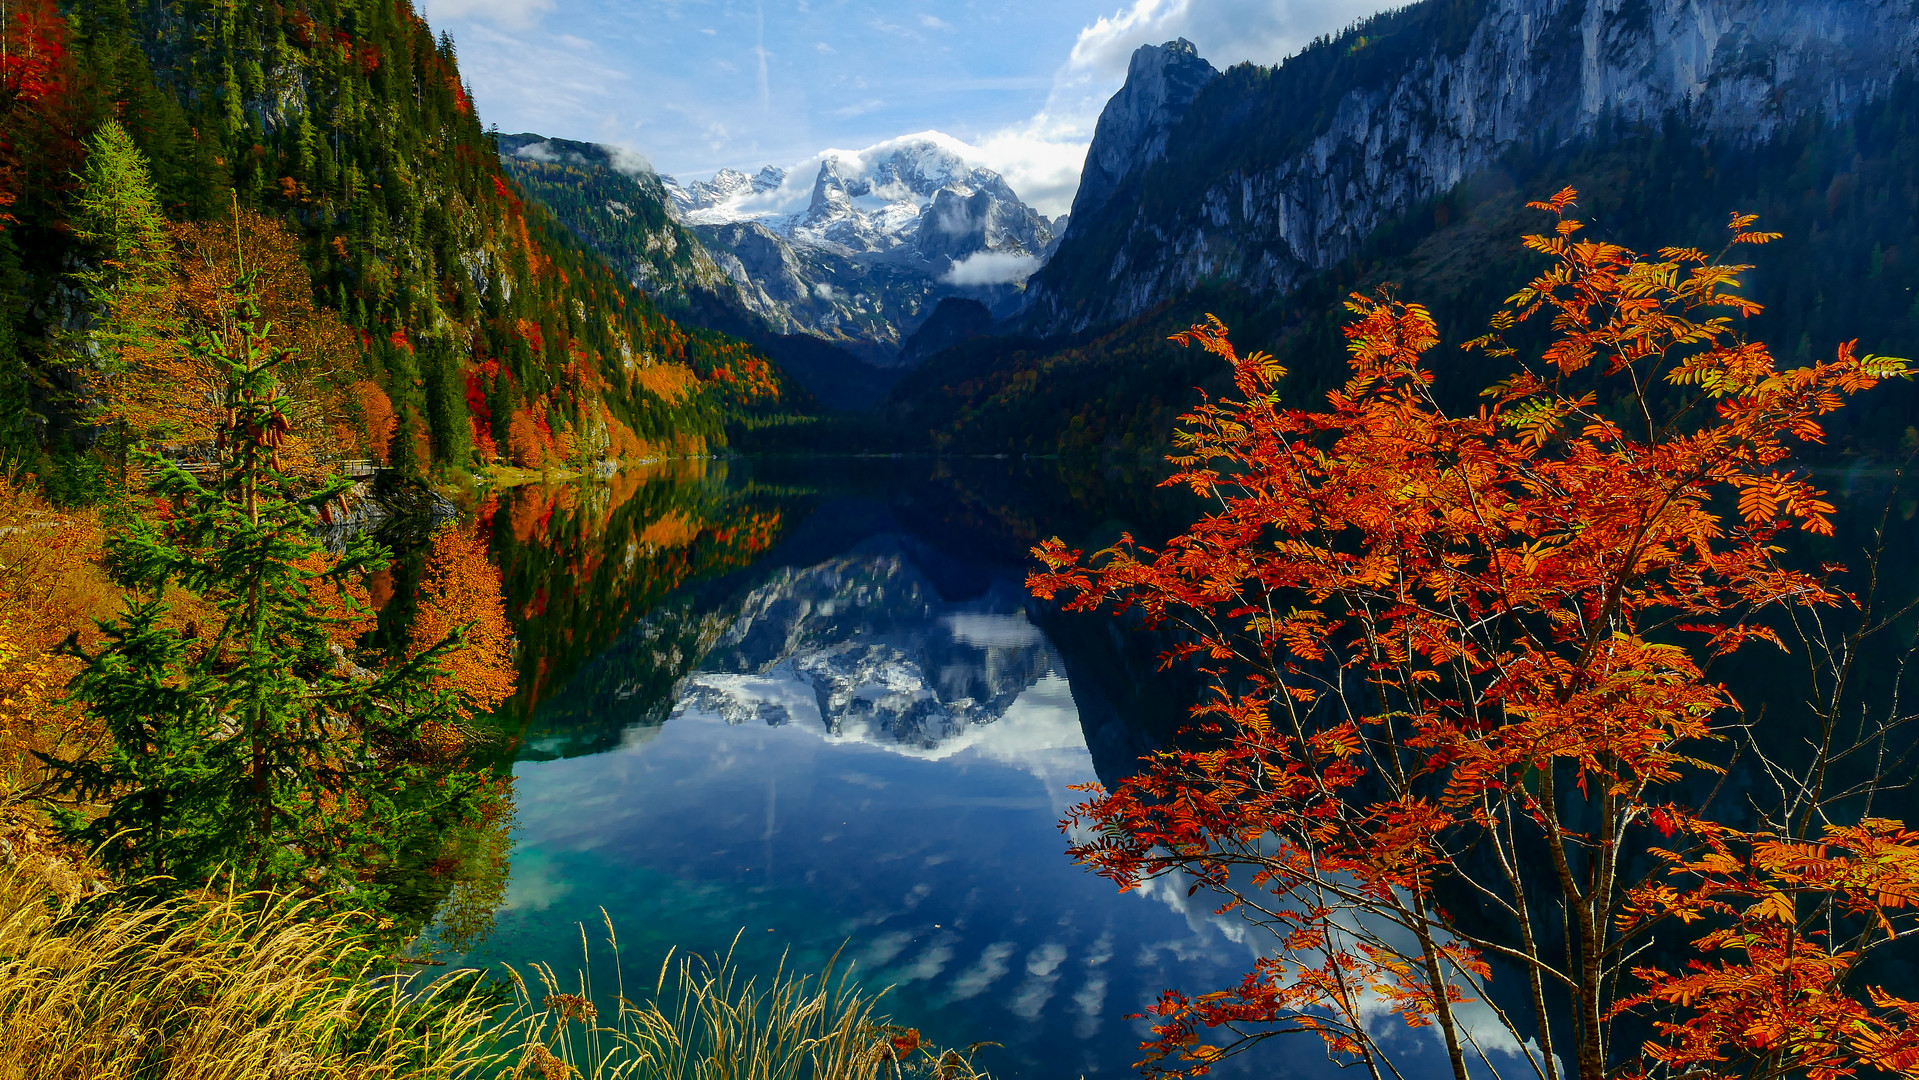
column 870, row 200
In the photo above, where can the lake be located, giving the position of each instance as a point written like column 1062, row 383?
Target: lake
column 808, row 705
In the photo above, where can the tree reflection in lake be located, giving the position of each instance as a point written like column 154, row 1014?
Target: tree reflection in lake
column 860, row 733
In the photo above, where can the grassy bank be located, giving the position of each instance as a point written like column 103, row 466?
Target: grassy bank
column 217, row 986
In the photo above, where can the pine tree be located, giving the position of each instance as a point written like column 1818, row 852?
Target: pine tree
column 131, row 318
column 257, row 749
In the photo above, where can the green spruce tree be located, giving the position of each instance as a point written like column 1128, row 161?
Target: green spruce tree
column 257, row 748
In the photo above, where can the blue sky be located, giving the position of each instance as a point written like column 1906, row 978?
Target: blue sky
column 695, row 85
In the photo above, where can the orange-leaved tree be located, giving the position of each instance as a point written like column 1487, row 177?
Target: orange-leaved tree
column 1459, row 756
column 460, row 599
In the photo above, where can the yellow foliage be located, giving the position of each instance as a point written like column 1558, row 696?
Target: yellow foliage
column 671, row 383
column 673, row 530
column 460, row 588
column 51, row 586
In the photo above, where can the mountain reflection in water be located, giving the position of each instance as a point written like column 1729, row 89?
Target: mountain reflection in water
column 862, row 743
column 865, row 647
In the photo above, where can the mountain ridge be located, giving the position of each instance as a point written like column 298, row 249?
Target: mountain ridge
column 1273, row 174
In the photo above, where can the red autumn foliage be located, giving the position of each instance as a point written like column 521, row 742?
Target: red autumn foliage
column 529, row 439
column 1458, row 666
column 36, row 43
column 41, row 119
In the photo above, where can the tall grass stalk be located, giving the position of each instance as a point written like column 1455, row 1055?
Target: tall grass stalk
column 252, row 987
column 211, row 987
column 705, row 1021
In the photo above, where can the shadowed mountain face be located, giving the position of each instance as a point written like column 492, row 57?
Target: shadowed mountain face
column 1402, row 153
column 1263, row 176
column 1161, row 82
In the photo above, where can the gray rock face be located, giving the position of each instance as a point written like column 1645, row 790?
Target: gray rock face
column 882, row 239
column 1161, row 82
column 955, row 226
column 1740, row 70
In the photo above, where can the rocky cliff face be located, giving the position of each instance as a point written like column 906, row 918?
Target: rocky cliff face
column 1272, row 174
column 1161, row 82
column 618, row 205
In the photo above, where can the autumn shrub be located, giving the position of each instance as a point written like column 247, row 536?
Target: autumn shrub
column 459, row 599
column 51, row 586
column 1461, row 755
column 377, row 420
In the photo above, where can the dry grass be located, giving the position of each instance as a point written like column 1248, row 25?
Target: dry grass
column 703, row 1021
column 212, row 988
column 251, row 988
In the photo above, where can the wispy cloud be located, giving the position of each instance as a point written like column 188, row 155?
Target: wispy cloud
column 747, row 84
column 760, row 54
column 1041, row 157
column 518, row 14
column 859, row 108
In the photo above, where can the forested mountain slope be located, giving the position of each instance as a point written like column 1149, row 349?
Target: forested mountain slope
column 1401, row 152
column 622, row 210
column 342, row 131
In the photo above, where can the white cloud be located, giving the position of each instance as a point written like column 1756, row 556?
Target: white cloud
column 1041, row 157
column 991, row 967
column 991, row 268
column 1226, row 31
column 630, row 162
column 934, row 22
column 1042, row 167
column 518, row 14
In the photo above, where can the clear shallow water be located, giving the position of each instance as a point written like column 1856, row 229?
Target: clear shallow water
column 862, row 741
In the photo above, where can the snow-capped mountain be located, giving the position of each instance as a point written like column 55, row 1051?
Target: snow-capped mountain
column 867, row 248
column 727, row 185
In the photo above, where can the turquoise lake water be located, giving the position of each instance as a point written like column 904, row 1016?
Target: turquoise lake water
column 860, row 739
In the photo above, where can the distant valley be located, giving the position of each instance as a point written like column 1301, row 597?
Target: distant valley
column 858, row 260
